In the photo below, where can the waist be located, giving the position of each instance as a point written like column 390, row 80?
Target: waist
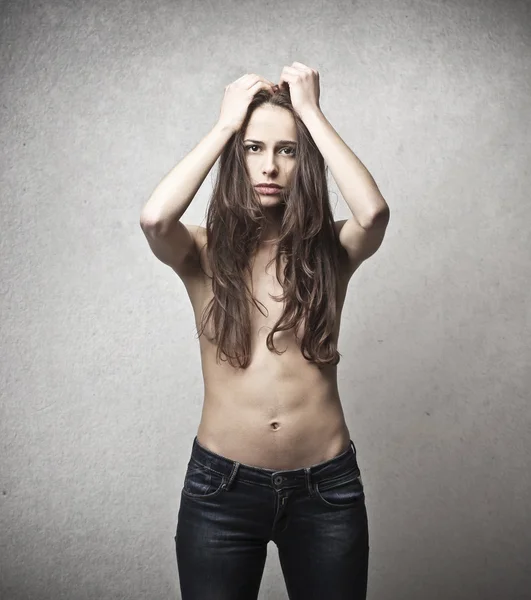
column 275, row 432
column 296, row 477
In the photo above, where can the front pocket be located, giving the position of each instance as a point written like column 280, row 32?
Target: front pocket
column 202, row 482
column 345, row 492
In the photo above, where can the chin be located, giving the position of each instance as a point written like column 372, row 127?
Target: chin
column 270, row 199
column 273, row 203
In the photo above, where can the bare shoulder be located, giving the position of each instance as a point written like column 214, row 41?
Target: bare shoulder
column 200, row 237
column 201, row 232
column 358, row 242
column 350, row 264
column 197, row 232
column 197, row 265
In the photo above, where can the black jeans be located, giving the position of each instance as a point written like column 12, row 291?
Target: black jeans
column 229, row 512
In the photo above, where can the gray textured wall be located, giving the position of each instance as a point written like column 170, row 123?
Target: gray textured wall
column 101, row 384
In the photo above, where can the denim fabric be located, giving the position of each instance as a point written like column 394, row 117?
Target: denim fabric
column 229, row 512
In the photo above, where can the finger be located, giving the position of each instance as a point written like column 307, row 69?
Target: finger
column 291, row 71
column 246, row 80
column 285, row 80
column 259, row 85
column 252, row 80
column 301, row 66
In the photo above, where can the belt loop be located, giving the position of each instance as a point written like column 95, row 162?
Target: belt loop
column 353, row 447
column 232, row 475
column 308, row 478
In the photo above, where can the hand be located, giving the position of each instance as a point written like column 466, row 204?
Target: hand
column 303, row 85
column 238, row 96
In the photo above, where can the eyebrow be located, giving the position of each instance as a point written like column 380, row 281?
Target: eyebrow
column 280, row 142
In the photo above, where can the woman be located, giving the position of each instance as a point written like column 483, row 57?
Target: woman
column 272, row 458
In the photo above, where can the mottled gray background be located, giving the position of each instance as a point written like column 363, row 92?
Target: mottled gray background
column 101, row 385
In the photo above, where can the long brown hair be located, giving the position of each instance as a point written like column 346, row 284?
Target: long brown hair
column 308, row 245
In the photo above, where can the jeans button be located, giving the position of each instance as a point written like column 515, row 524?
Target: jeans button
column 278, row 480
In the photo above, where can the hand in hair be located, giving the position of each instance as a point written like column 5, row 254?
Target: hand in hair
column 238, row 96
column 303, row 85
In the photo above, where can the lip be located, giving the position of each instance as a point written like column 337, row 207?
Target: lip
column 269, row 185
column 268, row 190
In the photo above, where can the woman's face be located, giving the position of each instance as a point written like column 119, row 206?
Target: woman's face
column 270, row 147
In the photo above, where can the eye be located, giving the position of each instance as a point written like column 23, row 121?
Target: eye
column 292, row 153
column 292, row 150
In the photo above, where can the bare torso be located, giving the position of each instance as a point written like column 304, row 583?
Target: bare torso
column 281, row 412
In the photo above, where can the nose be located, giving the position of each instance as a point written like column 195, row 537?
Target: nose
column 269, row 165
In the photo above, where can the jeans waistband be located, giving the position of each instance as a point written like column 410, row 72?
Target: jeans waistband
column 341, row 464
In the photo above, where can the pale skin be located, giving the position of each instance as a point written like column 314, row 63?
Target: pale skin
column 281, row 412
column 269, row 160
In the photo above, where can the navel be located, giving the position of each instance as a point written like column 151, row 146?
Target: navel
column 275, row 425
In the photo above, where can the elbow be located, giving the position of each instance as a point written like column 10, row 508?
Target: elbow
column 378, row 218
column 149, row 222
